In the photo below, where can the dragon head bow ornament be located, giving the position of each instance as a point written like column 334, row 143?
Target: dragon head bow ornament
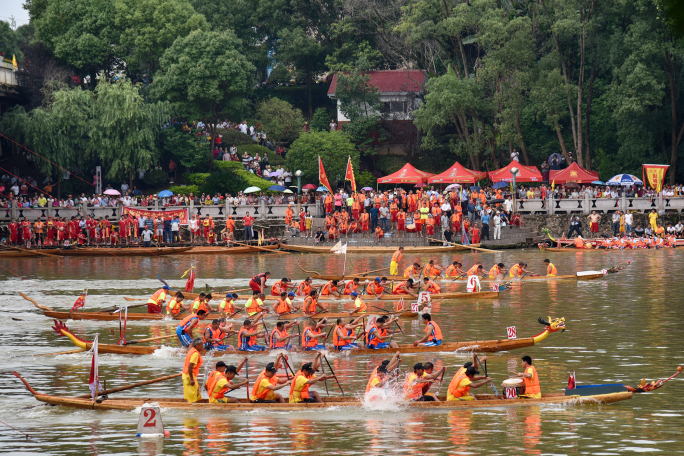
column 553, row 325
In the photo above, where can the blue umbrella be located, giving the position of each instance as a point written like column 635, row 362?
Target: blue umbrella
column 474, row 187
column 502, row 184
column 598, row 183
column 165, row 194
column 624, row 179
column 277, row 188
column 321, row 189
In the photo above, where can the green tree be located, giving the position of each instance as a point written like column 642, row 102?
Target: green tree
column 279, row 75
column 149, row 27
column 125, row 129
column 184, row 148
column 281, row 121
column 204, row 75
column 333, row 147
column 10, row 41
column 81, row 33
column 320, row 120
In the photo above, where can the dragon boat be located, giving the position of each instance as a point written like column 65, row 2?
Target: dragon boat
column 582, row 395
column 380, row 249
column 592, row 245
column 581, row 275
column 488, row 346
column 16, row 252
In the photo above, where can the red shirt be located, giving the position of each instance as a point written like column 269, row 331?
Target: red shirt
column 248, row 220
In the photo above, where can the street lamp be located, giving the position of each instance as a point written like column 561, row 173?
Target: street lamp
column 299, row 173
column 514, row 171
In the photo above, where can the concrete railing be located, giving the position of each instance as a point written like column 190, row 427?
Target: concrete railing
column 588, row 204
column 261, row 211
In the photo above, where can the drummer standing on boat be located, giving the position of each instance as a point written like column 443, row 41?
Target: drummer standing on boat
column 394, row 264
column 193, row 361
column 531, row 379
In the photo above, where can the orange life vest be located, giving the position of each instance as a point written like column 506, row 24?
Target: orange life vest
column 186, row 366
column 280, row 343
column 261, row 395
column 349, row 287
column 308, row 342
column 435, row 333
column 454, row 388
column 337, row 342
column 532, row 384
column 310, row 304
column 412, row 390
column 173, row 307
column 212, row 335
column 185, row 323
column 282, row 307
column 212, row 378
column 278, row 288
column 304, row 392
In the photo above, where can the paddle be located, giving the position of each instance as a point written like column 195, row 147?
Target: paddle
column 374, row 270
column 247, row 374
column 484, row 368
column 78, row 350
column 441, row 381
column 325, row 381
column 288, row 365
column 134, row 385
column 235, row 313
column 333, row 373
column 149, row 340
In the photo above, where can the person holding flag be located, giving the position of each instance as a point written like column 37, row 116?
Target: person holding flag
column 322, row 177
column 349, row 175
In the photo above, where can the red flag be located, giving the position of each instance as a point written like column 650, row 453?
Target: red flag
column 94, row 380
column 571, row 381
column 654, row 175
column 80, row 302
column 350, row 175
column 190, row 284
column 322, row 177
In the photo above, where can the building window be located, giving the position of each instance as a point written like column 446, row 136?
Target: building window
column 394, row 107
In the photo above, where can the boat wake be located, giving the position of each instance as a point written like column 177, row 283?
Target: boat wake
column 384, row 399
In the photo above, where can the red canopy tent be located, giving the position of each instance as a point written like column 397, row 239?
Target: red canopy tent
column 457, row 174
column 525, row 173
column 573, row 173
column 406, row 175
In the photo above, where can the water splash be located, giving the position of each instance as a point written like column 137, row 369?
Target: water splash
column 384, row 399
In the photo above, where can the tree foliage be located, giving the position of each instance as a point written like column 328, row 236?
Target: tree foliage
column 283, row 122
column 333, row 147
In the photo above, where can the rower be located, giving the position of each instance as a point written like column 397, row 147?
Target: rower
column 193, row 362
column 379, row 379
column 389, row 364
column 375, row 288
column 352, row 285
column 219, row 383
column 184, row 329
column 377, row 335
column 518, row 270
column 431, row 286
column 477, row 269
column 460, row 385
column 531, row 379
column 413, row 272
column 429, row 369
column 497, row 272
column 405, row 288
column 255, row 304
column 394, row 263
column 433, row 335
column 343, row 335
column 280, row 338
column 311, row 303
column 311, row 335
column 202, row 303
column 454, row 271
column 413, row 386
column 359, row 305
column 284, row 305
column 281, row 286
column 227, row 304
column 258, row 282
column 175, row 305
column 299, row 389
column 247, row 337
column 214, row 337
column 304, row 288
column 156, row 301
column 551, row 270
column 266, row 385
column 330, row 289
column 432, row 270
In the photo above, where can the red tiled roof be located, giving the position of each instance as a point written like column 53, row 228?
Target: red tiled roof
column 392, row 80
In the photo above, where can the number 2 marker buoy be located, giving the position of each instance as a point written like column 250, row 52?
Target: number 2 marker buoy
column 150, row 422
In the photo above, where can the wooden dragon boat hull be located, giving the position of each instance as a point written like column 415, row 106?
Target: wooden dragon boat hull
column 127, row 251
column 203, row 250
column 485, row 346
column 397, row 297
column 484, row 401
column 444, row 280
column 379, row 249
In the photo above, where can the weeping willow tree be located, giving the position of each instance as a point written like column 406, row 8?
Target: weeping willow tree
column 112, row 126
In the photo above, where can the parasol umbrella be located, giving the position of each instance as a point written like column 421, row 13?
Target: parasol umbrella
column 274, row 173
column 474, row 187
column 598, row 183
column 555, row 155
column 571, row 185
column 452, row 186
column 288, row 191
column 367, row 189
column 165, row 194
column 502, row 184
column 321, row 189
column 420, row 185
column 624, row 179
column 277, row 188
column 309, row 187
column 113, row 192
column 251, row 190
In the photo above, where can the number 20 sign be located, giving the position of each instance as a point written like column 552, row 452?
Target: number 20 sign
column 512, row 333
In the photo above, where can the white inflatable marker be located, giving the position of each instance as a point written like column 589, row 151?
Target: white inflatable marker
column 150, row 424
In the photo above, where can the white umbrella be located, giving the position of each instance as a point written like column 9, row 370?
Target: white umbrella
column 288, row 191
column 452, row 186
column 251, row 190
column 111, row 191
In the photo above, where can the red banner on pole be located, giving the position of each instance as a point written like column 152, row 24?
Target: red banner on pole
column 182, row 214
column 322, row 177
column 654, row 175
column 350, row 175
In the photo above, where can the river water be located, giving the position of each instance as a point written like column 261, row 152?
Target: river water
column 622, row 328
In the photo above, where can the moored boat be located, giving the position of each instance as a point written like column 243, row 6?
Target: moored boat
column 490, row 346
column 576, row 276
column 93, row 251
column 379, row 249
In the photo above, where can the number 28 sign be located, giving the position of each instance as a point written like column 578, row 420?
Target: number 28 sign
column 512, row 333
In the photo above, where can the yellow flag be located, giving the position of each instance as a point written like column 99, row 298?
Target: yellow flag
column 553, row 185
column 14, row 62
